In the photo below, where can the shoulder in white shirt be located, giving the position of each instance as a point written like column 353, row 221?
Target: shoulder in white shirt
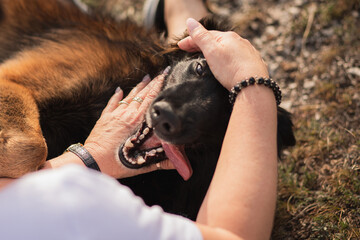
column 73, row 202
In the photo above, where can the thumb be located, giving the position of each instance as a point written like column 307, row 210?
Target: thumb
column 200, row 35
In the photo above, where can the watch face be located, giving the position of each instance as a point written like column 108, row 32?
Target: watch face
column 73, row 146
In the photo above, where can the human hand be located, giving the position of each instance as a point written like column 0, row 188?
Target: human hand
column 116, row 123
column 230, row 57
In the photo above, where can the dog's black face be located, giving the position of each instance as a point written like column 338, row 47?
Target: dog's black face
column 191, row 105
column 192, row 108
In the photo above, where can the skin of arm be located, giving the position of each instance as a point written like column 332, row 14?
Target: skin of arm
column 242, row 194
column 240, row 202
column 176, row 12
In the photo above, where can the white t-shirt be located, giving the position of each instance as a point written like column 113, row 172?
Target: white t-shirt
column 73, row 202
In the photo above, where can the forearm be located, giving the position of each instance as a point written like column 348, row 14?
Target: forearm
column 176, row 12
column 62, row 160
column 242, row 195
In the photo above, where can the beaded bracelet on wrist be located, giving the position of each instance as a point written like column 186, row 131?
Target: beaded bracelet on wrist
column 268, row 82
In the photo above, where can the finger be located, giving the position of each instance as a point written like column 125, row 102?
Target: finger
column 149, row 92
column 163, row 165
column 200, row 36
column 152, row 92
column 114, row 101
column 145, row 81
column 187, row 44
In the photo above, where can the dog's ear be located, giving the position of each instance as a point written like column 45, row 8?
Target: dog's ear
column 217, row 22
column 210, row 22
column 214, row 22
column 285, row 134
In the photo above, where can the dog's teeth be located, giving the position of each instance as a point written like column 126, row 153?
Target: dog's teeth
column 140, row 160
column 146, row 131
column 129, row 144
column 142, row 136
column 159, row 150
column 125, row 152
column 151, row 153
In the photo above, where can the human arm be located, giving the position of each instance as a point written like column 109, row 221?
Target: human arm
column 242, row 194
column 240, row 202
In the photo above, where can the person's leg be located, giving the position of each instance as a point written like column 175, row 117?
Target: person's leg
column 176, row 13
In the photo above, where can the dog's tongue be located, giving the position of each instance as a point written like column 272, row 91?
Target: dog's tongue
column 177, row 156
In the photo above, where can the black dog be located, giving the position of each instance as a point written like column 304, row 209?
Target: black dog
column 70, row 63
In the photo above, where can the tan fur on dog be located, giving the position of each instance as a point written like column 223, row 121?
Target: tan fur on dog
column 54, row 57
column 22, row 146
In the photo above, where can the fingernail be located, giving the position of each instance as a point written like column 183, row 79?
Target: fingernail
column 118, row 89
column 192, row 24
column 167, row 70
column 146, row 78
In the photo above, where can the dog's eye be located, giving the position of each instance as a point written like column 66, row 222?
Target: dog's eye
column 199, row 69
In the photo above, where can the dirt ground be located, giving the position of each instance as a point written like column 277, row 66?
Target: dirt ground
column 312, row 48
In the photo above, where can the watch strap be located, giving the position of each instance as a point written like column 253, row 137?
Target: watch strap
column 79, row 150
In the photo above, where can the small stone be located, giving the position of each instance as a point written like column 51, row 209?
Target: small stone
column 294, row 10
column 292, row 85
column 289, row 66
column 287, row 105
column 354, row 71
column 308, row 84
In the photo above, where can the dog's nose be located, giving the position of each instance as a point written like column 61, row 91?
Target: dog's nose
column 164, row 120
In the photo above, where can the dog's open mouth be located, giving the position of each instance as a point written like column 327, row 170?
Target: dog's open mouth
column 145, row 148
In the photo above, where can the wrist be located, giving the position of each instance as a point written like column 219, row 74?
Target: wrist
column 253, row 69
column 250, row 82
column 62, row 160
column 104, row 159
column 86, row 157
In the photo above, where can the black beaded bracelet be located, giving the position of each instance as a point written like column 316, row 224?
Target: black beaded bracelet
column 84, row 155
column 268, row 82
